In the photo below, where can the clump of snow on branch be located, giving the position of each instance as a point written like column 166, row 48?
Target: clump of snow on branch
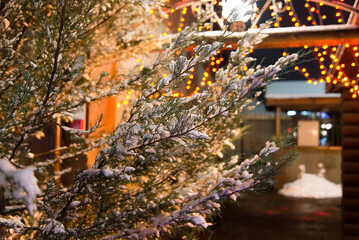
column 19, row 183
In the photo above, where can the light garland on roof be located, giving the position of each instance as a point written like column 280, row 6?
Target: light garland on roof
column 331, row 70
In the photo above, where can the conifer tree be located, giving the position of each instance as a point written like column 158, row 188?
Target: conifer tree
column 162, row 168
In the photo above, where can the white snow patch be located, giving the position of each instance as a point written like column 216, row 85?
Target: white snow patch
column 311, row 186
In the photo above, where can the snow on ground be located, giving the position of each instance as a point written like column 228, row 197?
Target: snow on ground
column 311, row 186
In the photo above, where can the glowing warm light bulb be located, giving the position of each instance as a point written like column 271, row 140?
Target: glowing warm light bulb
column 118, row 105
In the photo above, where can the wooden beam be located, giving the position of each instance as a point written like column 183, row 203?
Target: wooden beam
column 305, row 103
column 294, row 37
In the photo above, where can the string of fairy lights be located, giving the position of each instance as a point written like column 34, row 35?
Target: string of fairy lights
column 331, row 69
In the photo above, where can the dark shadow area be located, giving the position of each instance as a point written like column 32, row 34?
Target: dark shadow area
column 271, row 216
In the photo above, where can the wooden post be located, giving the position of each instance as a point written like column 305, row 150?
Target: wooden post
column 277, row 121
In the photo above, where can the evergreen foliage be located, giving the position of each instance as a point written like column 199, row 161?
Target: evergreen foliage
column 161, row 170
